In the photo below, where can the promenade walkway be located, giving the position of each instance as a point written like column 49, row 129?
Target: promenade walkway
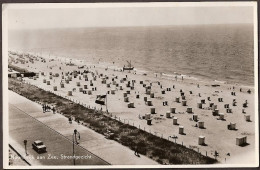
column 26, row 121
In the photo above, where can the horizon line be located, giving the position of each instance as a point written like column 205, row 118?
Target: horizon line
column 23, row 29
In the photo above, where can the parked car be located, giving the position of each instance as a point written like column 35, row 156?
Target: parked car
column 38, row 146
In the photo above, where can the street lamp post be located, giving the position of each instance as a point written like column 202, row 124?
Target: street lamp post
column 74, row 137
column 25, row 144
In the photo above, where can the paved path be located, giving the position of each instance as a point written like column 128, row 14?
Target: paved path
column 109, row 150
column 15, row 159
column 23, row 126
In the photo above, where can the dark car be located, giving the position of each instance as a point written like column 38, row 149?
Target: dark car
column 38, row 146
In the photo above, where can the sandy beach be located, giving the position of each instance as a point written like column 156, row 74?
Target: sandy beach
column 107, row 79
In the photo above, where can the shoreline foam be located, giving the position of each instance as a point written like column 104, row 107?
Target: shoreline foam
column 171, row 75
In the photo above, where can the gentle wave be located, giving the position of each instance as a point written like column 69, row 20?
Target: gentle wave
column 195, row 52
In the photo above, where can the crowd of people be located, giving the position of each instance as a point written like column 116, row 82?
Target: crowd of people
column 47, row 108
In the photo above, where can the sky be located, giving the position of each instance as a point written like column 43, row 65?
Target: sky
column 44, row 18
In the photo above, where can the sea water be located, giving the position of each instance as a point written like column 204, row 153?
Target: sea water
column 211, row 52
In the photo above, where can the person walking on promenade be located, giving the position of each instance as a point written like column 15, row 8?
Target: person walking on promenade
column 46, row 108
column 136, row 151
column 43, row 108
column 53, row 109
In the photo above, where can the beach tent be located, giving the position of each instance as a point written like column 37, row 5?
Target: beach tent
column 126, row 99
column 175, row 121
column 232, row 126
column 181, row 130
column 101, row 99
column 201, row 140
column 241, row 140
column 201, row 124
column 199, row 105
column 147, row 116
column 152, row 110
column 113, row 91
column 149, row 103
column 189, row 110
column 55, row 88
column 149, row 121
column 172, row 110
column 247, row 117
column 168, row 114
column 215, row 112
column 69, row 93
column 195, row 117
column 221, row 116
